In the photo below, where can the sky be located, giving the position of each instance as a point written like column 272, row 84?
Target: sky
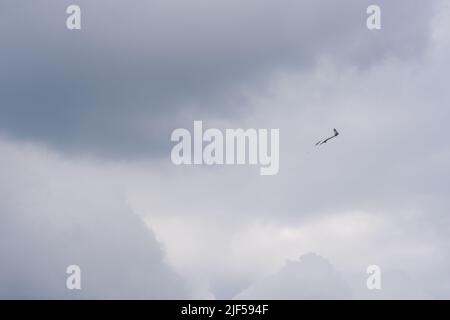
column 86, row 176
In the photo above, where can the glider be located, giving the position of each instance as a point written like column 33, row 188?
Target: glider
column 336, row 133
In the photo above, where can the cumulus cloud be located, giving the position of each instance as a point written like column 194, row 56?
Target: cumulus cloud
column 312, row 277
column 56, row 213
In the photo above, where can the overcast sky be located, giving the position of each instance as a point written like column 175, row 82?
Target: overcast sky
column 85, row 170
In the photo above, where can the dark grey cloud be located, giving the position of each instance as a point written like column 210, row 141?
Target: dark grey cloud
column 136, row 71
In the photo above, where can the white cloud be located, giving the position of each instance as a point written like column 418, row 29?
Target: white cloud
column 312, row 277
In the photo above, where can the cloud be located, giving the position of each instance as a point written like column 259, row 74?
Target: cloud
column 377, row 195
column 135, row 72
column 312, row 277
column 56, row 213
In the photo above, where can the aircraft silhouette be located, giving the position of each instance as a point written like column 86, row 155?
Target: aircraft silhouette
column 336, row 133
